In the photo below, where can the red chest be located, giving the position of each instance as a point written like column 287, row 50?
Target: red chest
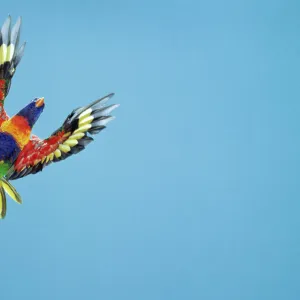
column 17, row 127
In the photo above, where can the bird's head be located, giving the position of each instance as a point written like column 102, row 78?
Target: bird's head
column 32, row 111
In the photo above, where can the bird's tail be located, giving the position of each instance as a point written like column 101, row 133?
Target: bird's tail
column 5, row 186
column 10, row 53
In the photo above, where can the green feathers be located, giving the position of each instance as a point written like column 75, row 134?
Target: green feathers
column 5, row 186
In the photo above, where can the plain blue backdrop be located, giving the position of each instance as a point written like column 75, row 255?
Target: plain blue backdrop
column 193, row 191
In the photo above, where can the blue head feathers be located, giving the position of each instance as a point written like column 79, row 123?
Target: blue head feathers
column 32, row 111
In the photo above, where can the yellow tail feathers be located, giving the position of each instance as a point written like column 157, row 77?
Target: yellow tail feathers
column 2, row 202
column 5, row 186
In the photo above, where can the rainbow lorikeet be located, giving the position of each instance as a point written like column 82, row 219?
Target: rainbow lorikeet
column 22, row 153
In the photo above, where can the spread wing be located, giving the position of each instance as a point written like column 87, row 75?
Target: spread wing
column 10, row 56
column 72, row 137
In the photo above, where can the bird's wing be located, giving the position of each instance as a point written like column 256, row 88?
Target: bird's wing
column 10, row 56
column 71, row 138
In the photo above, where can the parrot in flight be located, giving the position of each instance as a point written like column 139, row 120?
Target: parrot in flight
column 21, row 152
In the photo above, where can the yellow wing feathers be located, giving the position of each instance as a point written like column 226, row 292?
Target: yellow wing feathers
column 72, row 137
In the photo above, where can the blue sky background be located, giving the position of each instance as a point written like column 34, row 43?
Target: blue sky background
column 193, row 191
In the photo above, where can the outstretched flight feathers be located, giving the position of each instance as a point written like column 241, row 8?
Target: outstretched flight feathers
column 21, row 152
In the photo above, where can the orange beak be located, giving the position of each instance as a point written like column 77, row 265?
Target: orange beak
column 39, row 102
